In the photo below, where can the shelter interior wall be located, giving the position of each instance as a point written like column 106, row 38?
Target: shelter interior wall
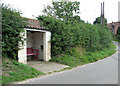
column 35, row 40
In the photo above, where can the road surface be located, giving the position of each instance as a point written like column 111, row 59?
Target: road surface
column 101, row 72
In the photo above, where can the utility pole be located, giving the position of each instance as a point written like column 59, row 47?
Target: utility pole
column 102, row 15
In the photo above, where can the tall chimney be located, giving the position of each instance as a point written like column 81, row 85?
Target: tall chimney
column 103, row 16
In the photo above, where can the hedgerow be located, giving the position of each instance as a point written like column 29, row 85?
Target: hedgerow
column 12, row 26
column 64, row 36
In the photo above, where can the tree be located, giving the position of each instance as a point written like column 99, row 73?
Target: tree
column 77, row 18
column 62, row 10
column 118, row 31
column 98, row 21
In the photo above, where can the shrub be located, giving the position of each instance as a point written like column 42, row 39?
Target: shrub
column 118, row 31
column 12, row 24
column 105, row 37
column 87, row 35
column 64, row 36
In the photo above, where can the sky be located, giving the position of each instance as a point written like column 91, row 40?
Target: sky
column 89, row 9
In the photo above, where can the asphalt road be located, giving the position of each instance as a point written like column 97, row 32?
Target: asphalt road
column 101, row 72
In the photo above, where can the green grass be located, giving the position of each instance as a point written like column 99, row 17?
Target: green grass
column 65, row 69
column 115, row 38
column 76, row 57
column 0, row 80
column 14, row 71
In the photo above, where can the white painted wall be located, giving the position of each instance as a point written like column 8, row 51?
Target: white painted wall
column 30, row 38
column 22, row 55
column 47, row 46
column 38, row 41
column 35, row 40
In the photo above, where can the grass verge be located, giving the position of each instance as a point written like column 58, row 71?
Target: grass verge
column 78, row 56
column 14, row 71
column 115, row 38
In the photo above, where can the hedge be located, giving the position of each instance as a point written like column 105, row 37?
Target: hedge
column 64, row 36
column 12, row 24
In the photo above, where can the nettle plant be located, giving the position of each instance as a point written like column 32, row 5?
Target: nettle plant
column 12, row 26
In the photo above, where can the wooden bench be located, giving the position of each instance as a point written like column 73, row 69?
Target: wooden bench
column 31, row 51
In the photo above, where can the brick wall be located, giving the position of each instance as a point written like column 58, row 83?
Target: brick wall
column 114, row 26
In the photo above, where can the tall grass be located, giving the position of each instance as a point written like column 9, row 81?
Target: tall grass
column 78, row 56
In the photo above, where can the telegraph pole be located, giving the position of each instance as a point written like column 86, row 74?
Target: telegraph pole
column 102, row 15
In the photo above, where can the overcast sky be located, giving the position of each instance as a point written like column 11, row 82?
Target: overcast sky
column 89, row 9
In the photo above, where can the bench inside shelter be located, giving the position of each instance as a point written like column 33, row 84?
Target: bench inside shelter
column 31, row 51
